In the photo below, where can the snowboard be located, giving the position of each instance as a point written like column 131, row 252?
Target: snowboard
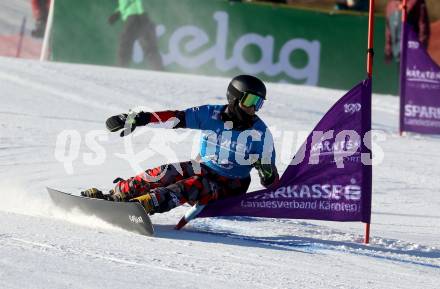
column 130, row 216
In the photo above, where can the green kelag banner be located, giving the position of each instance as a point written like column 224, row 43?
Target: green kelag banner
column 222, row 38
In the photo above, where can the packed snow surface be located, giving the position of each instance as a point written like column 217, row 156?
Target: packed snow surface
column 42, row 246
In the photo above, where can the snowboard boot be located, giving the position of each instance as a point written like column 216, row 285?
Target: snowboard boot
column 97, row 194
column 148, row 201
column 93, row 193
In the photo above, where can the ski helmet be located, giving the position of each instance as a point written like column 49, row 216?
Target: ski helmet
column 242, row 84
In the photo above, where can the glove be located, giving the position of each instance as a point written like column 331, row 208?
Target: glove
column 113, row 18
column 268, row 173
column 122, row 121
column 128, row 122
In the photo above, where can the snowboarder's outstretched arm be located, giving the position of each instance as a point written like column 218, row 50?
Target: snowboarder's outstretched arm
column 193, row 118
column 130, row 121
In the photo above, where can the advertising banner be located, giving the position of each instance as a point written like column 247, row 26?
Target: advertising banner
column 420, row 87
column 225, row 38
column 329, row 178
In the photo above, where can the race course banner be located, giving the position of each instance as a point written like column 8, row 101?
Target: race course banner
column 328, row 179
column 420, row 87
column 223, row 38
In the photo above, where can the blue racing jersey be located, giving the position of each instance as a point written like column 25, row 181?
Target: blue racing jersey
column 230, row 152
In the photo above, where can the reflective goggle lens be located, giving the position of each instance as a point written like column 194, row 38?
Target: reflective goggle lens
column 250, row 100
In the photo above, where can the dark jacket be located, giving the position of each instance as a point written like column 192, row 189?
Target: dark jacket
column 417, row 17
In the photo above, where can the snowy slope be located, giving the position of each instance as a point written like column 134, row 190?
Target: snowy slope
column 44, row 247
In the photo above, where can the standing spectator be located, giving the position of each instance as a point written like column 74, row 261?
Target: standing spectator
column 417, row 18
column 40, row 9
column 137, row 26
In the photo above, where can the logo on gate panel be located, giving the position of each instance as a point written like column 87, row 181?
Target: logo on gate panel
column 352, row 107
column 413, row 44
column 136, row 220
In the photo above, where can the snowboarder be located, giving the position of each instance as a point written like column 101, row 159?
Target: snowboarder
column 234, row 139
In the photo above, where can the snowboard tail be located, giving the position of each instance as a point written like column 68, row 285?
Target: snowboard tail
column 130, row 216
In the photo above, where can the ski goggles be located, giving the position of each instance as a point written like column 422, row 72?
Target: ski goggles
column 249, row 100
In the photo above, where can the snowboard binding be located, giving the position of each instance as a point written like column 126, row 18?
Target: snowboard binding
column 94, row 193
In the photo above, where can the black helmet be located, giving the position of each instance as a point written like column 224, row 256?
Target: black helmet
column 242, row 84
